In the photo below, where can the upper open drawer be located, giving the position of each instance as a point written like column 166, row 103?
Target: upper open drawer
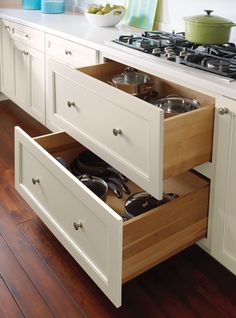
column 127, row 132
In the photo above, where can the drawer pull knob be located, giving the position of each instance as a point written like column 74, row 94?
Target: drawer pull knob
column 117, row 131
column 35, row 180
column 26, row 53
column 70, row 104
column 68, row 52
column 7, row 27
column 27, row 36
column 78, row 225
column 223, row 110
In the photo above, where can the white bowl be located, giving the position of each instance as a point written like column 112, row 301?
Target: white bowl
column 105, row 20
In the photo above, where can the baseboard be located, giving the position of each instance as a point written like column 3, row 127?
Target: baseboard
column 3, row 97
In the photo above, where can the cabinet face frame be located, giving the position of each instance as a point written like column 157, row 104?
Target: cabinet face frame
column 7, row 78
column 224, row 207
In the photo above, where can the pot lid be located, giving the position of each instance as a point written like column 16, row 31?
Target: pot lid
column 208, row 19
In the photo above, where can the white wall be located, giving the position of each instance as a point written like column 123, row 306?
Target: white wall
column 172, row 11
column 10, row 3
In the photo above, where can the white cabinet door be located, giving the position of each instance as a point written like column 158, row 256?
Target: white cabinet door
column 224, row 219
column 29, row 79
column 20, row 74
column 36, row 84
column 7, row 83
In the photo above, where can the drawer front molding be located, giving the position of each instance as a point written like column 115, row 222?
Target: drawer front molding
column 97, row 116
column 84, row 224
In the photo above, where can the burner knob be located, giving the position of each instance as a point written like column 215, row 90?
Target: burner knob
column 168, row 49
column 156, row 51
column 171, row 56
column 183, row 53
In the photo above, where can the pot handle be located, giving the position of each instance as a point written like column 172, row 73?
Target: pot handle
column 208, row 12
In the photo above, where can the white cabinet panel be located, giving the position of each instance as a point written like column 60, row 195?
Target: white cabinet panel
column 36, row 84
column 224, row 218
column 7, row 82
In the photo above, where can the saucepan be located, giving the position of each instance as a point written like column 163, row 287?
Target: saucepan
column 95, row 184
column 141, row 202
column 132, row 82
column 174, row 104
column 89, row 163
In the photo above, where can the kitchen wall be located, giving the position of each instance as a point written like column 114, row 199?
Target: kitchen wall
column 10, row 3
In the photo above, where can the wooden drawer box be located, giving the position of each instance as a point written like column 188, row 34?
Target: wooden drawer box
column 110, row 251
column 149, row 149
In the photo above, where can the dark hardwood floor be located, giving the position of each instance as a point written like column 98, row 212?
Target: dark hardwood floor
column 38, row 278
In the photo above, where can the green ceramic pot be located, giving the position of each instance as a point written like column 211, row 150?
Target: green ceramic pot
column 207, row 29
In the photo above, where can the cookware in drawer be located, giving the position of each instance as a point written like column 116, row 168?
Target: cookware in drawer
column 126, row 131
column 69, row 52
column 109, row 250
column 29, row 36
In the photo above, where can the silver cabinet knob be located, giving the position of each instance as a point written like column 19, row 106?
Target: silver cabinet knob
column 117, row 131
column 27, row 36
column 7, row 27
column 70, row 104
column 68, row 52
column 26, row 53
column 78, row 225
column 223, row 110
column 35, row 180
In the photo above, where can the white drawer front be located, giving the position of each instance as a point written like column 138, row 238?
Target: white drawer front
column 60, row 200
column 93, row 113
column 31, row 37
column 69, row 52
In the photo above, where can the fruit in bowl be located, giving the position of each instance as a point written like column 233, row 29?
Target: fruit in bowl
column 104, row 16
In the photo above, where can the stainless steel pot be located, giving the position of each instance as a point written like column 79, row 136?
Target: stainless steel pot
column 141, row 202
column 207, row 29
column 132, row 82
column 174, row 104
column 96, row 185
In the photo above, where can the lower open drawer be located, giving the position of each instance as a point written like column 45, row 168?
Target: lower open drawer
column 109, row 249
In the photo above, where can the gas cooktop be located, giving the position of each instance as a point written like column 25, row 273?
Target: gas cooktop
column 217, row 59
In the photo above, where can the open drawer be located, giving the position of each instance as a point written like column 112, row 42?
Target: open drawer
column 109, row 249
column 127, row 132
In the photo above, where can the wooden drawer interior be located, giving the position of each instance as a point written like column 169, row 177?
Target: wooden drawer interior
column 188, row 137
column 156, row 235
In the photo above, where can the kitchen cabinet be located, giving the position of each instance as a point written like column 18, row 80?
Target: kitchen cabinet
column 109, row 250
column 6, row 59
column 29, row 76
column 224, row 220
column 23, row 68
column 92, row 111
column 81, row 103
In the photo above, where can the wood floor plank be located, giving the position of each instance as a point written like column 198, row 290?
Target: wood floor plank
column 71, row 275
column 52, row 292
column 21, row 286
column 8, row 306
